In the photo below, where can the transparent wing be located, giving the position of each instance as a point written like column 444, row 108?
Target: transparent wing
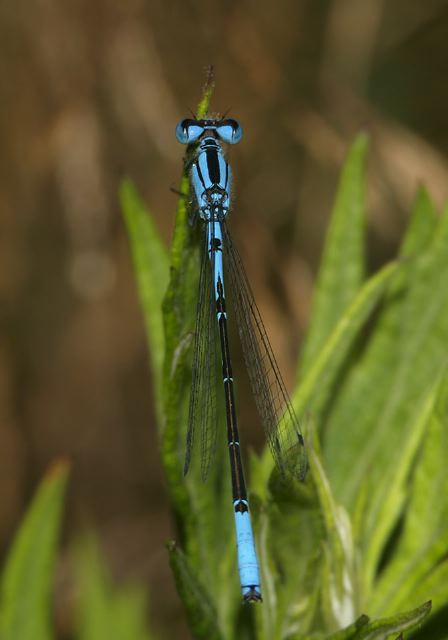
column 277, row 415
column 202, row 419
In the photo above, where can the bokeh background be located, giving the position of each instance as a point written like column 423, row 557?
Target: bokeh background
column 90, row 92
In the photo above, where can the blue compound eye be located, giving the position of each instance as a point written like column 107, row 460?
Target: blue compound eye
column 229, row 131
column 188, row 131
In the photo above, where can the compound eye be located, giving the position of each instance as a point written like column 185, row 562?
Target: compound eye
column 188, row 131
column 229, row 131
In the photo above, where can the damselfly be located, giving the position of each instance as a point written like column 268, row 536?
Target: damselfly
column 210, row 177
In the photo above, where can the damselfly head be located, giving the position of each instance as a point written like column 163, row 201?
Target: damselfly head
column 228, row 130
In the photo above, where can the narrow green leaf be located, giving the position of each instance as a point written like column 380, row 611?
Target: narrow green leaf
column 25, row 602
column 306, row 557
column 399, row 365
column 421, row 358
column 421, row 226
column 393, row 491
column 338, row 588
column 419, row 557
column 201, row 613
column 351, row 632
column 267, row 615
column 386, row 627
column 151, row 266
column 435, row 583
column 207, row 92
column 314, row 391
column 104, row 611
column 342, row 265
column 372, row 377
column 289, row 529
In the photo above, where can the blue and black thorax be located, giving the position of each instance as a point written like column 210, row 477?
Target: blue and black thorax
column 211, row 176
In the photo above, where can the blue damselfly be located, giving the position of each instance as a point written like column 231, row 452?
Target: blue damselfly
column 210, row 176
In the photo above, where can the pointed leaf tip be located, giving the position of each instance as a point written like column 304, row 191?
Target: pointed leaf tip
column 28, row 575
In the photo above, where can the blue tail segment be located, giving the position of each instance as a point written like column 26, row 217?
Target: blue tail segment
column 247, row 556
column 211, row 180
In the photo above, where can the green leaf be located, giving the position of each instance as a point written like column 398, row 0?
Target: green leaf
column 288, row 534
column 341, row 271
column 151, row 266
column 435, row 583
column 201, row 613
column 314, row 391
column 306, row 556
column 25, row 603
column 386, row 627
column 351, row 632
column 207, row 93
column 421, row 227
column 393, row 490
column 365, row 629
column 338, row 583
column 385, row 389
column 418, row 568
column 104, row 611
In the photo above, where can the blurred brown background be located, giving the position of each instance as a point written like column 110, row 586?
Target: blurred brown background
column 91, row 91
